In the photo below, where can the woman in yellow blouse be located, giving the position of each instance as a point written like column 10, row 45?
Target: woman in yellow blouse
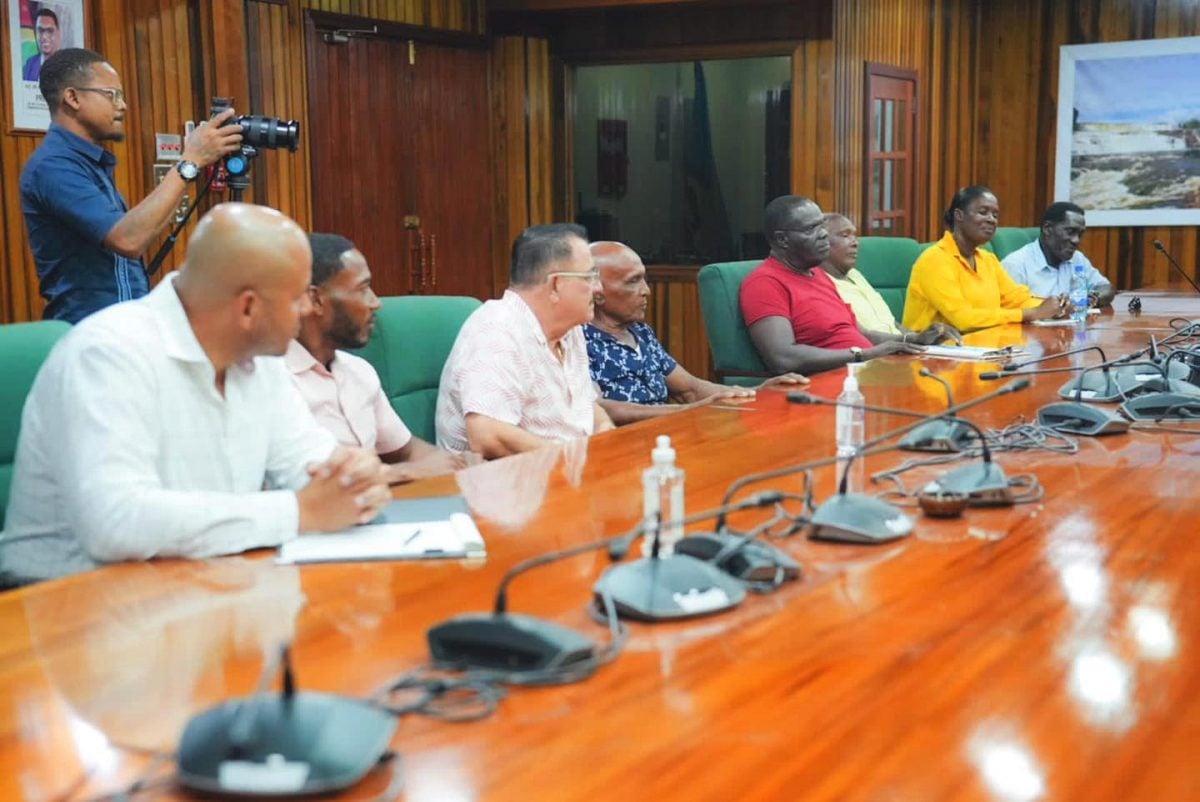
column 956, row 281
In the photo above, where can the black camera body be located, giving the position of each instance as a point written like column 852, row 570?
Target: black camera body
column 259, row 131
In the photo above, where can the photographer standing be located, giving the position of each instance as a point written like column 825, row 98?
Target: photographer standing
column 86, row 242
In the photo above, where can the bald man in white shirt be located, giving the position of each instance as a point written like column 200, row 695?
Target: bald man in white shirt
column 155, row 425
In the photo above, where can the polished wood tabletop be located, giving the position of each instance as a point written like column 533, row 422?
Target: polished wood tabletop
column 1049, row 650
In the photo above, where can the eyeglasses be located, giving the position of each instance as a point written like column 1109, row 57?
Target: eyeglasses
column 114, row 95
column 591, row 275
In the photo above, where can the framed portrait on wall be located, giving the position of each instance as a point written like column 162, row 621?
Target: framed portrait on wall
column 1128, row 148
column 36, row 30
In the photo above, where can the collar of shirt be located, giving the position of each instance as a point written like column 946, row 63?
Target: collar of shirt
column 591, row 330
column 522, row 310
column 950, row 245
column 90, row 150
column 179, row 340
column 300, row 360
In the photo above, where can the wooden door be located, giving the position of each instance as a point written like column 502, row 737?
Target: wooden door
column 451, row 150
column 401, row 159
column 890, row 165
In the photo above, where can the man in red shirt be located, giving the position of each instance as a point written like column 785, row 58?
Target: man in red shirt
column 796, row 318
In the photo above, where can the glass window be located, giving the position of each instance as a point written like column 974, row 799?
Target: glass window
column 677, row 160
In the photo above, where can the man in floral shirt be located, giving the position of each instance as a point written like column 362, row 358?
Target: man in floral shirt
column 636, row 377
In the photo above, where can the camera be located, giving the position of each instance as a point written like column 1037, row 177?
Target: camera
column 259, row 131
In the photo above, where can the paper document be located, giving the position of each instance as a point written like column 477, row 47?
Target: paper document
column 397, row 534
column 971, row 353
column 1066, row 321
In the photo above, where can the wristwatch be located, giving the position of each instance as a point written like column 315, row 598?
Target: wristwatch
column 857, row 353
column 187, row 170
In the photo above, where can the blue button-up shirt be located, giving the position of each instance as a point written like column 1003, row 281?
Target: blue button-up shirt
column 628, row 374
column 1027, row 265
column 70, row 204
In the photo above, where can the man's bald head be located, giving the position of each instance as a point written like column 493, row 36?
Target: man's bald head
column 624, row 293
column 244, row 283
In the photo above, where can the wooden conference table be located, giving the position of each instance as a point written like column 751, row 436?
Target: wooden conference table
column 1045, row 651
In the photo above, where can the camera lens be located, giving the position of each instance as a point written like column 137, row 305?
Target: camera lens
column 270, row 132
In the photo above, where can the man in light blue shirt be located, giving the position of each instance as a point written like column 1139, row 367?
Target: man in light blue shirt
column 1047, row 264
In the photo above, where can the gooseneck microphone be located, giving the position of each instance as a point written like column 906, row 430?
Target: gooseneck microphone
column 938, row 435
column 1163, row 250
column 983, row 484
column 866, row 448
column 532, row 650
column 1015, row 366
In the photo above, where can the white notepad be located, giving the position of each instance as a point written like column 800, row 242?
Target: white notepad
column 397, row 534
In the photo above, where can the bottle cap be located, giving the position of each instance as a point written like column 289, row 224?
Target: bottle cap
column 663, row 454
column 851, row 382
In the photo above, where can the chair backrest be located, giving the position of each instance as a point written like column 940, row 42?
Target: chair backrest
column 735, row 359
column 23, row 349
column 1008, row 240
column 887, row 263
column 412, row 338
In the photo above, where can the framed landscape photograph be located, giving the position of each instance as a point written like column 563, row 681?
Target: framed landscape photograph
column 35, row 31
column 1129, row 132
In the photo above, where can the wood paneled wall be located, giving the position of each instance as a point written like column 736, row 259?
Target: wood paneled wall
column 935, row 39
column 522, row 141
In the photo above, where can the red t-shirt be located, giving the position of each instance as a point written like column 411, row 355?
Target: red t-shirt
column 818, row 315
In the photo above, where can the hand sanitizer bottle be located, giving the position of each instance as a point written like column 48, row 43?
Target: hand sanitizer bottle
column 851, row 430
column 662, row 484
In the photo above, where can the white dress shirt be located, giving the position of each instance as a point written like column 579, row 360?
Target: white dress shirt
column 127, row 451
column 502, row 366
column 1027, row 265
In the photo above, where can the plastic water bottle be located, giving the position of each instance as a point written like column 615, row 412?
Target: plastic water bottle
column 662, row 485
column 1079, row 295
column 851, row 430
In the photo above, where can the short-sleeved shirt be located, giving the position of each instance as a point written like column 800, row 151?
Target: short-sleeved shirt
column 347, row 399
column 1028, row 265
column 625, row 373
column 502, row 366
column 70, row 204
column 945, row 288
column 818, row 315
column 870, row 309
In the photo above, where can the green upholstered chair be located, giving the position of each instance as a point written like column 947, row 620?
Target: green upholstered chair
column 412, row 338
column 1008, row 240
column 887, row 263
column 23, row 348
column 735, row 359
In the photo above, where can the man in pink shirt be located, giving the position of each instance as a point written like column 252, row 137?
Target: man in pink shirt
column 517, row 378
column 341, row 389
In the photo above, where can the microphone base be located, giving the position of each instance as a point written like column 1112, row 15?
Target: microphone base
column 668, row 589
column 858, row 518
column 940, row 436
column 983, row 483
column 1103, row 387
column 747, row 560
column 1082, row 419
column 309, row 743
column 507, row 642
column 1172, row 407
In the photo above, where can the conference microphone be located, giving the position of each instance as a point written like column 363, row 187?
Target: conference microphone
column 531, row 650
column 289, row 743
column 1015, row 366
column 983, row 484
column 941, row 435
column 856, row 517
column 1163, row 250
column 1163, row 397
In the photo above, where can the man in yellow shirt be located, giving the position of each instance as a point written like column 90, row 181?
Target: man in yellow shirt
column 956, row 281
